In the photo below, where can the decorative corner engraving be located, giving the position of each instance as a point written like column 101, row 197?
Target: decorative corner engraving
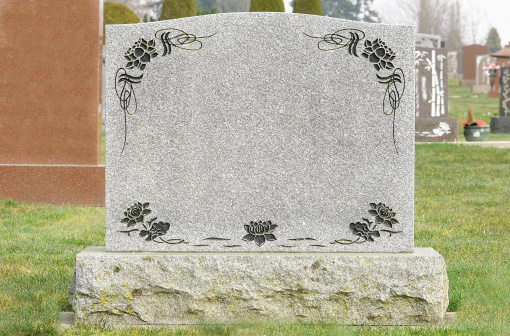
column 260, row 232
column 367, row 230
column 381, row 57
column 151, row 230
column 139, row 56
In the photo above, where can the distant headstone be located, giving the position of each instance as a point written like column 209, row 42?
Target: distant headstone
column 454, row 70
column 501, row 124
column 469, row 63
column 432, row 122
column 259, row 132
column 428, row 41
column 49, row 97
column 482, row 82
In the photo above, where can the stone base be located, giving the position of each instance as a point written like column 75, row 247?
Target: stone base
column 186, row 288
column 53, row 184
column 435, row 129
column 467, row 82
column 480, row 88
column 493, row 94
column 500, row 125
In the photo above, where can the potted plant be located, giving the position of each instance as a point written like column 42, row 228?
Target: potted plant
column 475, row 130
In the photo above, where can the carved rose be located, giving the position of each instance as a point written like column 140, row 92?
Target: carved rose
column 140, row 54
column 135, row 214
column 260, row 232
column 383, row 214
column 379, row 54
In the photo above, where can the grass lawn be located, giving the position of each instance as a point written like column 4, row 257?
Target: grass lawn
column 461, row 210
column 484, row 108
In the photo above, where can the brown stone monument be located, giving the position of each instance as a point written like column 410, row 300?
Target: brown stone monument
column 431, row 79
column 49, row 97
column 469, row 62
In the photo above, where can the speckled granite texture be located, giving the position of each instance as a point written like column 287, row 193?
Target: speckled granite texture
column 174, row 288
column 220, row 120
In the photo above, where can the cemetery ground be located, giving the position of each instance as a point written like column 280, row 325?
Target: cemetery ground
column 484, row 108
column 461, row 210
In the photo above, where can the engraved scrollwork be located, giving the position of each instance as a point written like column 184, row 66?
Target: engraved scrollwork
column 380, row 55
column 347, row 37
column 139, row 56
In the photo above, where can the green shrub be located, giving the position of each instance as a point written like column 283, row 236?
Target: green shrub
column 267, row 6
column 174, row 9
column 115, row 13
column 308, row 7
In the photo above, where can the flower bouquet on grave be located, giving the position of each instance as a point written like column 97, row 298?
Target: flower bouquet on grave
column 475, row 130
column 490, row 71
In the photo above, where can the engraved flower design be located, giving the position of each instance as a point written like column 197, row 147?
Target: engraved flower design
column 379, row 54
column 383, row 214
column 363, row 230
column 135, row 213
column 260, row 232
column 154, row 230
column 140, row 54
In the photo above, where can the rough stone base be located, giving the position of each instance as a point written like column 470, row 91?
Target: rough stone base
column 480, row 88
column 435, row 129
column 500, row 125
column 186, row 288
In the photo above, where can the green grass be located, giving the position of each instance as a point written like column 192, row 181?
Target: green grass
column 461, row 210
column 484, row 108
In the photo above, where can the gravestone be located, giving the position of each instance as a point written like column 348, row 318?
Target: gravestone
column 454, row 68
column 501, row 124
column 482, row 83
column 432, row 122
column 502, row 60
column 469, row 62
column 428, row 41
column 249, row 146
column 49, row 97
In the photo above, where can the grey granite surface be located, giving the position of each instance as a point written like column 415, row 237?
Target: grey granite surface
column 218, row 287
column 259, row 117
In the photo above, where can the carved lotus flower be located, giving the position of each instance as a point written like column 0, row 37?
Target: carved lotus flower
column 140, row 54
column 379, row 54
column 260, row 232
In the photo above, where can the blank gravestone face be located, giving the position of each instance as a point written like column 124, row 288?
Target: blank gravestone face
column 259, row 132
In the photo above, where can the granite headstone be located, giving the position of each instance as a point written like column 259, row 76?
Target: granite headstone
column 501, row 124
column 432, row 122
column 240, row 133
column 245, row 133
column 428, row 41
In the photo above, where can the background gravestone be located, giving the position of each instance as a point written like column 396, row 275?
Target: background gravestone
column 482, row 84
column 503, row 60
column 428, row 41
column 259, row 132
column 454, row 64
column 469, row 62
column 432, row 122
column 49, row 97
column 501, row 124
